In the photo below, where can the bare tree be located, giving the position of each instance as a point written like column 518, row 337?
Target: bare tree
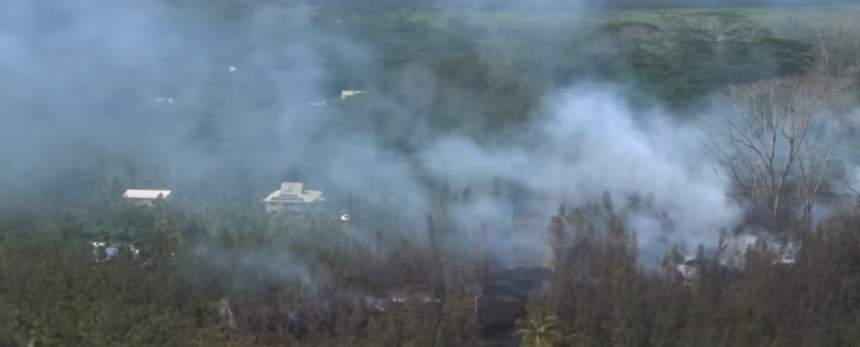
column 780, row 138
column 837, row 49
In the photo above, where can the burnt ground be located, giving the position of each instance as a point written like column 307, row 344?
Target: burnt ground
column 502, row 302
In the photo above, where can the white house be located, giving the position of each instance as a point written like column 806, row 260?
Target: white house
column 350, row 93
column 145, row 197
column 104, row 252
column 689, row 268
column 292, row 197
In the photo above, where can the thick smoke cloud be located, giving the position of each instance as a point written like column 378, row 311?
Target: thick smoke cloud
column 189, row 98
column 589, row 143
column 191, row 102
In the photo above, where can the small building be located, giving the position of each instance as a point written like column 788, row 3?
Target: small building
column 350, row 93
column 292, row 198
column 689, row 268
column 145, row 197
column 105, row 252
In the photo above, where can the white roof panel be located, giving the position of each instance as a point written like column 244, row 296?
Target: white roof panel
column 145, row 194
column 292, row 188
column 294, row 193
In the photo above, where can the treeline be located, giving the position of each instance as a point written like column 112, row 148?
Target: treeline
column 232, row 278
column 504, row 67
column 478, row 76
column 213, row 274
column 601, row 296
column 542, row 5
column 245, row 279
column 632, row 4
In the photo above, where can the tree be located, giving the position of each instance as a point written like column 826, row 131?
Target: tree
column 691, row 55
column 837, row 49
column 539, row 329
column 780, row 136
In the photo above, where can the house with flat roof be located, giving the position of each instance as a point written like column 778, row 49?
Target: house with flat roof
column 292, row 197
column 350, row 93
column 145, row 197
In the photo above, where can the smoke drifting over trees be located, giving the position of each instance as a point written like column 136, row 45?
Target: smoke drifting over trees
column 592, row 142
column 487, row 136
column 224, row 108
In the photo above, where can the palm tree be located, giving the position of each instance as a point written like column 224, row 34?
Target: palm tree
column 539, row 329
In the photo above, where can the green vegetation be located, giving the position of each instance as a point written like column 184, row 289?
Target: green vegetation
column 539, row 330
column 54, row 292
column 504, row 62
column 214, row 270
column 602, row 293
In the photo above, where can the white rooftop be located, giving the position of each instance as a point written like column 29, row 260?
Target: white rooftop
column 350, row 93
column 293, row 192
column 148, row 194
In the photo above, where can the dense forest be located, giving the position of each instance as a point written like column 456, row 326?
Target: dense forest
column 495, row 174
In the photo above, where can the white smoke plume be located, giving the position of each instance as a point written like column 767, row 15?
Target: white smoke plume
column 130, row 80
column 591, row 142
